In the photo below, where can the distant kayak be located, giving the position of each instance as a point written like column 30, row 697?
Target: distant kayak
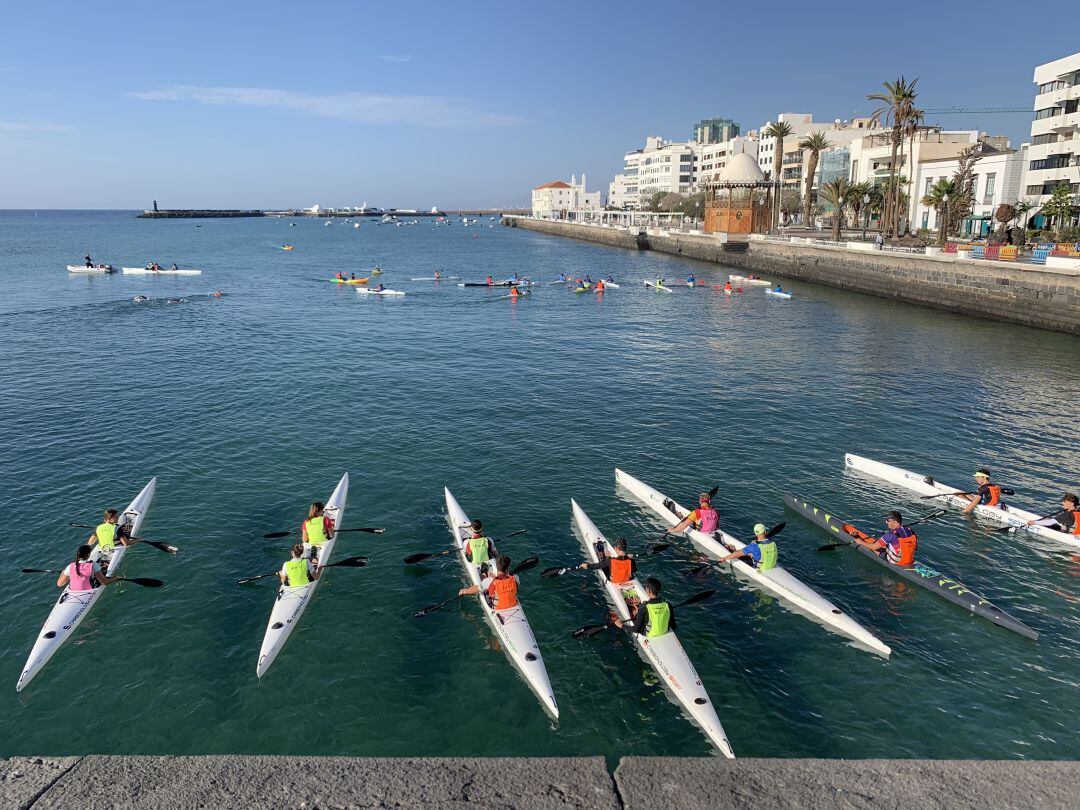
column 144, row 271
column 776, row 294
column 652, row 286
column 138, row 299
column 350, row 280
column 365, row 291
column 759, row 282
column 432, row 278
column 97, row 269
column 586, row 288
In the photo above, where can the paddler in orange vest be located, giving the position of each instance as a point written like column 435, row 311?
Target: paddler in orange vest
column 899, row 542
column 1067, row 520
column 727, row 286
column 501, row 589
column 316, row 530
column 619, row 569
column 704, row 518
column 514, row 292
column 600, row 285
column 988, row 494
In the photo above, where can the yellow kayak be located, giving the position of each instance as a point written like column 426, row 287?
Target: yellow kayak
column 350, row 280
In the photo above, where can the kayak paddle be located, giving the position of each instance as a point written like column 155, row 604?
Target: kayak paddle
column 368, row 529
column 556, row 571
column 415, row 558
column 146, row 582
column 348, row 562
column 1025, row 526
column 944, row 494
column 593, row 629
column 931, row 516
column 524, row 565
column 779, row 527
column 169, row 548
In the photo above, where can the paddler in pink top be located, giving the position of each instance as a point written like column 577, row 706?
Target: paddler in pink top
column 81, row 574
column 704, row 518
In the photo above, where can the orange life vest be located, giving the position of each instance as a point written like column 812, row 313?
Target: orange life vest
column 621, row 570
column 1076, row 522
column 994, row 496
column 503, row 592
column 907, row 548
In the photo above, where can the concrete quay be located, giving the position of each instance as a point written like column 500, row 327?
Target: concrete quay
column 1030, row 295
column 638, row 782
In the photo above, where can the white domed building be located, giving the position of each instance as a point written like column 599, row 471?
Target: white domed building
column 739, row 201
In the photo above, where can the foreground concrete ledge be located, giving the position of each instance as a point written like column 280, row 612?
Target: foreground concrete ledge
column 836, row 784
column 640, row 783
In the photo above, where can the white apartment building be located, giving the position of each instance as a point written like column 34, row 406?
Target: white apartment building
column 796, row 162
column 715, row 156
column 998, row 176
column 669, row 166
column 1054, row 153
column 553, row 200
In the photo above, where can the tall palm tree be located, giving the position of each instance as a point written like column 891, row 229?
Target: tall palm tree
column 778, row 130
column 814, row 143
column 940, row 193
column 838, row 194
column 896, row 101
column 913, row 121
column 858, row 191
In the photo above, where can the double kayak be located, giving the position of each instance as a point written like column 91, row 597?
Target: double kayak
column 432, row 278
column 652, row 286
column 350, row 280
column 72, row 606
column 663, row 653
column 292, row 601
column 510, row 626
column 364, row 291
column 918, row 573
column 791, row 591
column 495, row 284
column 758, row 282
column 924, row 485
column 99, row 269
column 145, row 271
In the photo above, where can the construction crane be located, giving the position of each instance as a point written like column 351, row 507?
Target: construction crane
column 977, row 110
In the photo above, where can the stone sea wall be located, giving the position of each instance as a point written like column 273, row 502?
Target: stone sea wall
column 585, row 782
column 1006, row 291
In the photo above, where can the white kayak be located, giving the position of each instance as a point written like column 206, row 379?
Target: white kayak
column 652, row 286
column 72, row 606
column 293, row 600
column 96, row 270
column 143, row 271
column 792, row 591
column 432, row 278
column 664, row 653
column 611, row 284
column 926, row 485
column 776, row 294
column 760, row 282
column 511, row 626
column 366, row 291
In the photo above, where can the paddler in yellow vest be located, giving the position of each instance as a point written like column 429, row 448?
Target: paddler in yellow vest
column 478, row 548
column 316, row 530
column 761, row 550
column 655, row 616
column 108, row 534
column 298, row 570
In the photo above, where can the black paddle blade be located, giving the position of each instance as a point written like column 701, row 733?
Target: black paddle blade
column 431, row 608
column 168, row 548
column 368, row 529
column 82, row 526
column 698, row 597
column 525, row 565
column 246, row 580
column 350, row 562
column 146, row 582
column 775, row 530
column 513, row 534
column 713, row 491
column 415, row 558
column 273, row 535
column 551, row 573
column 832, row 546
column 658, row 547
column 588, row 630
column 39, row 571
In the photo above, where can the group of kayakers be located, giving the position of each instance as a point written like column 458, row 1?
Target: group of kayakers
column 303, row 566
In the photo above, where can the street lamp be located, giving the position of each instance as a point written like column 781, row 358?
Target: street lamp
column 944, row 219
column 866, row 216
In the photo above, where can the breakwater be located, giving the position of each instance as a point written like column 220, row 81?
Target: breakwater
column 196, row 213
column 552, row 782
column 1005, row 291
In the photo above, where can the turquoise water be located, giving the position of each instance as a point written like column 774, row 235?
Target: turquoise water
column 250, row 406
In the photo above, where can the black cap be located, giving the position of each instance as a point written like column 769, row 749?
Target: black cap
column 894, row 515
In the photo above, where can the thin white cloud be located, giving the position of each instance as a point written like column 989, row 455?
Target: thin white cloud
column 396, row 57
column 24, row 126
column 359, row 108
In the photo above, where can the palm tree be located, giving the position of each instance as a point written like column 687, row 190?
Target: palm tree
column 896, row 101
column 913, row 121
column 940, row 193
column 858, row 191
column 838, row 193
column 815, row 142
column 778, row 130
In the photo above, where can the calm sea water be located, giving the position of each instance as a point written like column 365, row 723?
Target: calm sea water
column 250, row 406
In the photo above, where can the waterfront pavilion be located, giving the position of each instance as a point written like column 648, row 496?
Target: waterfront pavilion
column 739, row 201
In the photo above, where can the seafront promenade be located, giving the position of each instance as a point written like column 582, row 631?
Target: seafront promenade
column 584, row 782
column 1039, row 296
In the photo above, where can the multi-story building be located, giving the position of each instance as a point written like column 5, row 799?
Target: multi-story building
column 715, row 130
column 715, row 156
column 668, row 166
column 553, row 200
column 1054, row 153
column 997, row 179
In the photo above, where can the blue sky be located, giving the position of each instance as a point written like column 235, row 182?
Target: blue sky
column 414, row 104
